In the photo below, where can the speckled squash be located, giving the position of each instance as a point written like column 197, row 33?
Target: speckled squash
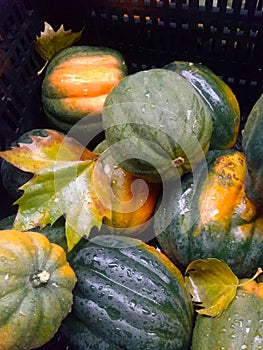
column 36, row 284
column 128, row 296
column 238, row 328
column 208, row 214
column 76, row 83
column 218, row 96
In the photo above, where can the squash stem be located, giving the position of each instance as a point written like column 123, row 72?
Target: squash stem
column 41, row 70
column 259, row 271
column 40, row 278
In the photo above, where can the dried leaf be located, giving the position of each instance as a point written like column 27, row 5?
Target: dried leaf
column 50, row 42
column 212, row 285
column 68, row 180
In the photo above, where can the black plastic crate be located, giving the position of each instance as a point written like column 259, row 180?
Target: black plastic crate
column 227, row 36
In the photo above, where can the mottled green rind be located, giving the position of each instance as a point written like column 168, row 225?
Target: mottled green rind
column 252, row 145
column 239, row 327
column 177, row 219
column 218, row 96
column 154, row 117
column 127, row 298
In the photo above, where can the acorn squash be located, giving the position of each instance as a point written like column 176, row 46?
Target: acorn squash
column 158, row 123
column 208, row 215
column 36, row 284
column 128, row 296
column 76, row 83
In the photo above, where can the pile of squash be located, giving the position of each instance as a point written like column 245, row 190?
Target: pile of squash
column 174, row 128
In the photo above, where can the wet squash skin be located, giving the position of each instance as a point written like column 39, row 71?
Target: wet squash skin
column 209, row 215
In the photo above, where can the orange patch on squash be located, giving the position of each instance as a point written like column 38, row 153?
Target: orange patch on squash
column 223, row 192
column 84, row 104
column 81, row 81
column 253, row 287
column 133, row 200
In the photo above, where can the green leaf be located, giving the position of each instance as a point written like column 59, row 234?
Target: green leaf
column 68, row 180
column 212, row 285
column 50, row 42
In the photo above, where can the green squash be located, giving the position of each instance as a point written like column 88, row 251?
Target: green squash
column 36, row 284
column 252, row 145
column 238, row 327
column 208, row 215
column 218, row 96
column 128, row 296
column 157, row 124
column 76, row 83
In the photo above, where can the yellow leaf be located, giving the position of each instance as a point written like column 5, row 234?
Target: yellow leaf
column 212, row 285
column 50, row 42
column 68, row 181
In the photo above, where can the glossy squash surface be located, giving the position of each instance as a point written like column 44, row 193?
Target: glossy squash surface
column 218, row 96
column 128, row 296
column 209, row 215
column 239, row 326
column 252, row 142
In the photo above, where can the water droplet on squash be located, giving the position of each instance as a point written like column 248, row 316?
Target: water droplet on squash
column 113, row 264
column 140, row 278
column 129, row 272
column 146, row 312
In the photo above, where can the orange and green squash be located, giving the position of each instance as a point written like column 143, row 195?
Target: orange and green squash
column 76, row 83
column 208, row 215
column 252, row 145
column 36, row 284
column 133, row 199
column 238, row 327
column 218, row 96
column 159, row 124
column 128, row 296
